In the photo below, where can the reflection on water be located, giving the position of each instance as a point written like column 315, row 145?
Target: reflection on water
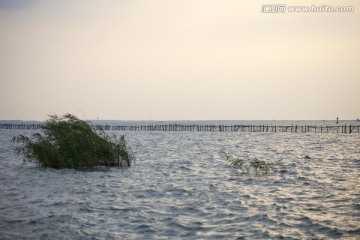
column 182, row 187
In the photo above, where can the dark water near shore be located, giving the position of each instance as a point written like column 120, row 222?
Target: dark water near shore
column 183, row 187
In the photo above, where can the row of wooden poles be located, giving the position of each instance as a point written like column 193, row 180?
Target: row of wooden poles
column 211, row 128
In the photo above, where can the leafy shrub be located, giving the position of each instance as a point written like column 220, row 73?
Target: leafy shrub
column 253, row 165
column 68, row 142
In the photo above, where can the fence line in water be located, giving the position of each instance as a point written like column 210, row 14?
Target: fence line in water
column 212, row 128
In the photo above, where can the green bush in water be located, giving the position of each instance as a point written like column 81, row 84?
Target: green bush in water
column 68, row 142
column 254, row 164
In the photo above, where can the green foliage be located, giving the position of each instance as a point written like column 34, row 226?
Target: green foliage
column 253, row 165
column 68, row 142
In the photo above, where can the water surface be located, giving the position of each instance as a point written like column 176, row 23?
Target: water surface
column 182, row 186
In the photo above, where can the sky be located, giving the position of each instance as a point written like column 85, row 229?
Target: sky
column 178, row 60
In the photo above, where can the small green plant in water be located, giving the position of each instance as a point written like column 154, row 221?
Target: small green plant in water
column 253, row 165
column 68, row 142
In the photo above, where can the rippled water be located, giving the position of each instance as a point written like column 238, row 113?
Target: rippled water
column 183, row 187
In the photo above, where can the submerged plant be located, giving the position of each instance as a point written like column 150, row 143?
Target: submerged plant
column 254, row 164
column 68, row 142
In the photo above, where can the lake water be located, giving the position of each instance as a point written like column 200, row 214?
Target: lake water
column 182, row 187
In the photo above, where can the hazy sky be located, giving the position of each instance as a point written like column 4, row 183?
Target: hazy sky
column 177, row 59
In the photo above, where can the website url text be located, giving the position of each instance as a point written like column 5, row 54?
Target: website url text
column 283, row 8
